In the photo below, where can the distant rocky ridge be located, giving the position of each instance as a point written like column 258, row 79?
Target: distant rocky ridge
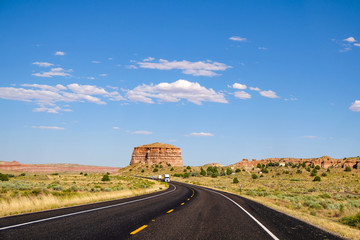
column 157, row 153
column 323, row 162
column 52, row 168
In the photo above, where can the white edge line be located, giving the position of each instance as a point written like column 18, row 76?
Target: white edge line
column 259, row 223
column 85, row 211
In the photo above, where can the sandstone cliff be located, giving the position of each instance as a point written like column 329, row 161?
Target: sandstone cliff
column 155, row 153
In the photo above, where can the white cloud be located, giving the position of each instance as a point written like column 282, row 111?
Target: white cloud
column 49, row 127
column 239, row 86
column 355, row 106
column 357, row 44
column 60, row 72
column 91, row 78
column 174, row 92
column 350, row 40
column 254, row 89
column 110, row 58
column 95, row 62
column 201, row 134
column 142, row 132
column 269, row 94
column 262, row 48
column 43, row 64
column 242, row 95
column 47, row 96
column 103, row 75
column 60, row 53
column 200, row 68
column 116, row 128
column 238, row 39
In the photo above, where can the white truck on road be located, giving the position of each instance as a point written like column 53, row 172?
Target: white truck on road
column 166, row 177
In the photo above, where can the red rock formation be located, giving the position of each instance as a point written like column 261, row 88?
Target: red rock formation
column 155, row 153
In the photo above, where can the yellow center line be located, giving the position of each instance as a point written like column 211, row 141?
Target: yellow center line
column 182, row 203
column 188, row 199
column 138, row 230
column 170, row 211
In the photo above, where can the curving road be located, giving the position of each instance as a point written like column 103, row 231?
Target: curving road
column 181, row 212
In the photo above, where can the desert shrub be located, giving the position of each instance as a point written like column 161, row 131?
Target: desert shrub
column 74, row 188
column 186, row 175
column 85, row 174
column 36, row 191
column 214, row 175
column 264, row 170
column 312, row 174
column 254, row 176
column 353, row 221
column 105, row 178
column 22, row 175
column 54, row 174
column 347, row 169
column 317, row 179
column 325, row 195
column 185, row 170
column 237, row 170
column 261, row 175
column 299, row 171
column 168, row 164
column 286, row 172
column 155, row 170
column 142, row 170
column 317, row 167
column 130, row 170
column 229, row 171
column 235, row 180
column 81, row 173
column 188, row 167
column 172, row 169
column 202, row 172
column 324, row 174
column 4, row 177
column 258, row 165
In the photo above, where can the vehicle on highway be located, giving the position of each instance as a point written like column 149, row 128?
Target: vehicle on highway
column 160, row 177
column 152, row 177
column 166, row 177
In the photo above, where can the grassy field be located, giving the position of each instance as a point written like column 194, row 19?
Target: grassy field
column 333, row 203
column 22, row 193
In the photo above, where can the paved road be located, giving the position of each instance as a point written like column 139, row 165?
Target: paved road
column 181, row 212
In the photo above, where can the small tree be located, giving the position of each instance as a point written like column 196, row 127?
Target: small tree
column 155, row 170
column 237, row 170
column 254, row 176
column 202, row 172
column 4, row 177
column 347, row 169
column 142, row 170
column 105, row 178
column 188, row 167
column 172, row 169
column 229, row 171
column 258, row 165
column 317, row 167
column 317, row 179
column 235, row 180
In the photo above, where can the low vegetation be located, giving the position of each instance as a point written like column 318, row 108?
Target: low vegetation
column 21, row 193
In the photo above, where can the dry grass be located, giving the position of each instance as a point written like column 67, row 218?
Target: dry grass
column 23, row 194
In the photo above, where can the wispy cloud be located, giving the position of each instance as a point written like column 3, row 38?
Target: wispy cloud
column 355, row 107
column 201, row 68
column 58, row 72
column 311, row 137
column 242, row 95
column 238, row 39
column 60, row 53
column 43, row 64
column 116, row 128
column 350, row 40
column 49, row 127
column 201, row 134
column 142, row 132
column 174, row 92
column 254, row 89
column 357, row 44
column 95, row 62
column 269, row 94
column 103, row 75
column 262, row 48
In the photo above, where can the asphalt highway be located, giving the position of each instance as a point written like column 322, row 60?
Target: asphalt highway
column 181, row 212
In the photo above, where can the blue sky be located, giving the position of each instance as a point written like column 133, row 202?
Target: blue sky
column 86, row 81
